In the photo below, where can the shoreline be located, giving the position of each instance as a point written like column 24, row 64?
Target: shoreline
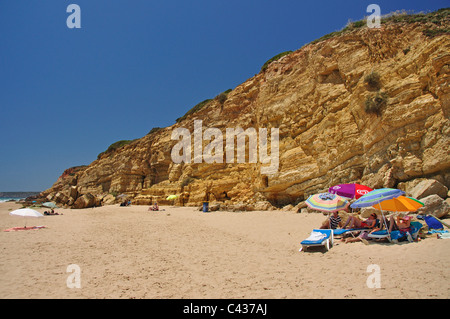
column 182, row 253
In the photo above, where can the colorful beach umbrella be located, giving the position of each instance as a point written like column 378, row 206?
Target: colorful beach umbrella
column 352, row 190
column 327, row 202
column 377, row 196
column 400, row 204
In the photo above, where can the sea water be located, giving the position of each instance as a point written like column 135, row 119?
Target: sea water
column 6, row 199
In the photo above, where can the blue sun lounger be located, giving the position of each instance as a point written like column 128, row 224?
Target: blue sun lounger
column 318, row 237
column 395, row 235
column 342, row 231
column 352, row 231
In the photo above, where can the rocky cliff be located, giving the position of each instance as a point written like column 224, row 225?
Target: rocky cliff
column 364, row 105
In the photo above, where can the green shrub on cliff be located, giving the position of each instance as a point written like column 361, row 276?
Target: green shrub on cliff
column 375, row 103
column 275, row 58
column 373, row 80
column 435, row 17
column 222, row 97
column 154, row 130
column 434, row 20
column 196, row 108
column 114, row 146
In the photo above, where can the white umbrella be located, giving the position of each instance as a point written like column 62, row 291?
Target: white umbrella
column 26, row 212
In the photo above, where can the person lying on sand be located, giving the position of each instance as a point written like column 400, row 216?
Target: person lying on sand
column 363, row 236
column 51, row 213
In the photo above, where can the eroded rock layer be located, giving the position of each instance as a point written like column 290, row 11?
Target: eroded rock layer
column 317, row 97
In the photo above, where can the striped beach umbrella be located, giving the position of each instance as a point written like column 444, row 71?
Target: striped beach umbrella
column 377, row 196
column 327, row 202
column 400, row 204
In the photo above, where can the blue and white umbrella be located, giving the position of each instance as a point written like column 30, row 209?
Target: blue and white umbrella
column 377, row 196
column 50, row 205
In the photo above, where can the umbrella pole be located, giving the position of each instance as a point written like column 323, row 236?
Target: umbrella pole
column 384, row 219
column 329, row 221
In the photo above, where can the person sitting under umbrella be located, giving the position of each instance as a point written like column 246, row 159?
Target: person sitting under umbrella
column 333, row 222
column 355, row 222
column 402, row 223
column 371, row 223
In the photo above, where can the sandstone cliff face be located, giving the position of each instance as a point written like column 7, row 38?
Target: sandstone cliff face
column 316, row 97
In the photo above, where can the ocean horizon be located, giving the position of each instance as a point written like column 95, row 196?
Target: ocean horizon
column 6, row 199
column 7, row 196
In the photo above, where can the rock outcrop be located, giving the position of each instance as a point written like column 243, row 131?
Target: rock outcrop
column 317, row 98
column 434, row 205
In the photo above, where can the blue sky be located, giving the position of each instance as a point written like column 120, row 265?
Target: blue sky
column 67, row 94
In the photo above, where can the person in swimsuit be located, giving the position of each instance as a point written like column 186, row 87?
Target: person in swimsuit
column 369, row 223
column 355, row 222
column 333, row 222
column 402, row 224
column 155, row 207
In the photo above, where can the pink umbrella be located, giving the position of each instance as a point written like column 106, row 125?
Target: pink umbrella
column 352, row 190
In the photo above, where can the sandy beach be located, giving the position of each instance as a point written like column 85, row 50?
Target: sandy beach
column 130, row 252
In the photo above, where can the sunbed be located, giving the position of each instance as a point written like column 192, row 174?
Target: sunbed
column 342, row 231
column 318, row 237
column 352, row 231
column 395, row 235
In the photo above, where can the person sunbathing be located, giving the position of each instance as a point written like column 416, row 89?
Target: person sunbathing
column 363, row 236
column 355, row 222
column 51, row 213
column 402, row 224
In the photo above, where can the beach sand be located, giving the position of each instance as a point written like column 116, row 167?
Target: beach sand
column 130, row 252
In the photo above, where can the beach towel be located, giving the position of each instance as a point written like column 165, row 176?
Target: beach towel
column 316, row 237
column 23, row 228
column 437, row 231
column 431, row 221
